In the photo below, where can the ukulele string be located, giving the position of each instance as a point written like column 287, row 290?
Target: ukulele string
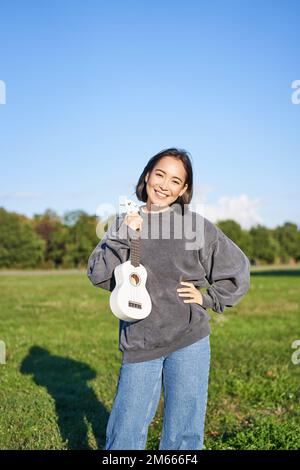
column 136, row 276
column 134, row 255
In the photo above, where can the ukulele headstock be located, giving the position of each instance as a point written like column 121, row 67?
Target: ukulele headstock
column 130, row 207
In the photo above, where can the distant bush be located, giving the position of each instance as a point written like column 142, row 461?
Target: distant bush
column 49, row 241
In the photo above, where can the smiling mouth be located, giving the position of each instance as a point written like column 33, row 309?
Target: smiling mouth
column 160, row 195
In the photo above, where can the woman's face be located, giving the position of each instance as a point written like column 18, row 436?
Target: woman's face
column 165, row 183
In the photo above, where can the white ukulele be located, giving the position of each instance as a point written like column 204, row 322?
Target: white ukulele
column 130, row 300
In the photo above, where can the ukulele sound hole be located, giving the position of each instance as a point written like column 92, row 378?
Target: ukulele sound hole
column 134, row 279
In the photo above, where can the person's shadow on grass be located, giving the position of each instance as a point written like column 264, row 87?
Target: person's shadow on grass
column 76, row 403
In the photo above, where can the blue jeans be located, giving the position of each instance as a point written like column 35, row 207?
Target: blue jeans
column 184, row 375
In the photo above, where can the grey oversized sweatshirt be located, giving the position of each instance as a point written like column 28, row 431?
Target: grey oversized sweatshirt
column 174, row 247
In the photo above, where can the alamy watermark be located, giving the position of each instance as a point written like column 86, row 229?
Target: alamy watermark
column 295, row 97
column 184, row 225
column 2, row 92
column 2, row 352
column 296, row 354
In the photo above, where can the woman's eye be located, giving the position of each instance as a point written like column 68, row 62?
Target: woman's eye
column 158, row 174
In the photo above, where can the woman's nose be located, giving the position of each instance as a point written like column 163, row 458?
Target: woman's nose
column 164, row 186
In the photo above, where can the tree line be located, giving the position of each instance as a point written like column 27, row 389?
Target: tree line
column 48, row 240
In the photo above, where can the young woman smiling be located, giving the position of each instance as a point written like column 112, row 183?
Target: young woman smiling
column 171, row 347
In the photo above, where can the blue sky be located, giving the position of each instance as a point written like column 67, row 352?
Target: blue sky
column 94, row 89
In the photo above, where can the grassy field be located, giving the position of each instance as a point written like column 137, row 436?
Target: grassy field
column 60, row 377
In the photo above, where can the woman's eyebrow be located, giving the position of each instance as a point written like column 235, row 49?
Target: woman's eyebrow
column 165, row 173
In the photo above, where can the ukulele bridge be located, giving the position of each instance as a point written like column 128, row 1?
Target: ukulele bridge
column 134, row 304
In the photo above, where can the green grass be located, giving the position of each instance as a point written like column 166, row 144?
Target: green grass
column 58, row 384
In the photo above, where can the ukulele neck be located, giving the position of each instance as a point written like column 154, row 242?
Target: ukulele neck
column 135, row 252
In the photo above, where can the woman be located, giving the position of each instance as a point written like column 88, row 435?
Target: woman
column 171, row 346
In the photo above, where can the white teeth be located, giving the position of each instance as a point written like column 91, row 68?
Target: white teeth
column 160, row 194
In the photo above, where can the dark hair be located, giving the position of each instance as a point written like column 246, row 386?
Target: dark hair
column 180, row 154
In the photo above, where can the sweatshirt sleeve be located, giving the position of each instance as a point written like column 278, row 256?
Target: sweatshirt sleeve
column 227, row 270
column 112, row 250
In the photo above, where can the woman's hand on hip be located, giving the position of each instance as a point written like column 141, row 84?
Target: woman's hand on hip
column 190, row 291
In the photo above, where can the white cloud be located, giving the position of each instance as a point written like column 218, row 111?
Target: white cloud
column 241, row 208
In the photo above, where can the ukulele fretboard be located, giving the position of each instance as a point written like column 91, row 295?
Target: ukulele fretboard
column 135, row 252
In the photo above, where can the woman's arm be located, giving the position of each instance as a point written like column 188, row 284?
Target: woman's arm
column 227, row 270
column 112, row 250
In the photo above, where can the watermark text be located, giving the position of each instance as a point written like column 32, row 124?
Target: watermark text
column 2, row 92
column 295, row 97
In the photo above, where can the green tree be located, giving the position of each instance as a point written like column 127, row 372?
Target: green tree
column 49, row 227
column 81, row 238
column 288, row 237
column 265, row 246
column 20, row 246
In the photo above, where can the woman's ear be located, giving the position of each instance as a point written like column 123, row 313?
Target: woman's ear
column 180, row 194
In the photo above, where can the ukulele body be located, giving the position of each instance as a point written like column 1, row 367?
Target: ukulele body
column 130, row 300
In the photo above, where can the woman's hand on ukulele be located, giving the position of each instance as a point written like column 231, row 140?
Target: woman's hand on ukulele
column 134, row 221
column 190, row 291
